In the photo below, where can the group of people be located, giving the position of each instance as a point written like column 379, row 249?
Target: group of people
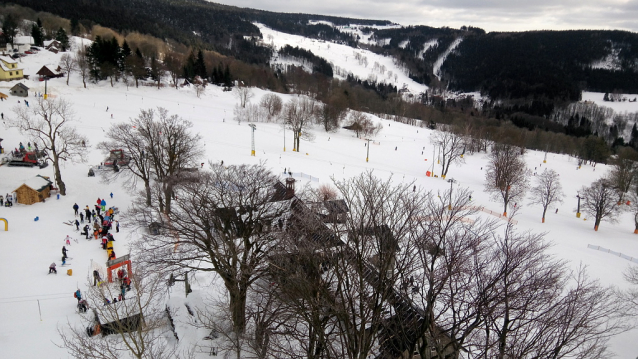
column 8, row 202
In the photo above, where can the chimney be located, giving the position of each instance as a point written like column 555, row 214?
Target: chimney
column 290, row 187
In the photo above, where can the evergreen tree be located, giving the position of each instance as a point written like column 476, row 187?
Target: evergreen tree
column 633, row 142
column 189, row 68
column 9, row 28
column 63, row 38
column 37, row 34
column 75, row 26
column 200, row 66
column 126, row 50
column 228, row 81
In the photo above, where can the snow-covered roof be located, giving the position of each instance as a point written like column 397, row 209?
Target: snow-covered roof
column 8, row 60
column 23, row 40
column 37, row 183
column 49, row 42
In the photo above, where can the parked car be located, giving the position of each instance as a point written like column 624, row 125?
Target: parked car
column 15, row 56
column 34, row 48
column 28, row 52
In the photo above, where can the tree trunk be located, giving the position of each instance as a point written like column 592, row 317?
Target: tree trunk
column 57, row 175
column 597, row 223
column 147, row 186
column 238, row 309
column 68, row 75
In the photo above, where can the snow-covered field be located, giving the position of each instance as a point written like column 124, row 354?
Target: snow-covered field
column 405, row 152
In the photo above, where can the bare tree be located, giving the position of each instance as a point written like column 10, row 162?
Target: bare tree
column 199, row 85
column 451, row 147
column 450, row 279
column 297, row 116
column 172, row 149
column 332, row 113
column 69, row 64
column 223, row 219
column 130, row 137
column 50, row 124
column 174, row 64
column 272, row 103
column 384, row 220
column 135, row 326
column 548, row 190
column 243, row 94
column 600, row 201
column 506, row 177
column 83, row 64
column 623, row 173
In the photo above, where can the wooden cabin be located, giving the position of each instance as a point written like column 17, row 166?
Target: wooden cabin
column 34, row 190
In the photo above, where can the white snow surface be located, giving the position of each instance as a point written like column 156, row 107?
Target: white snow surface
column 618, row 107
column 436, row 68
column 30, row 246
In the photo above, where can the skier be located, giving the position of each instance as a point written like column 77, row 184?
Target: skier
column 75, row 208
column 77, row 225
column 52, row 268
column 103, row 204
column 83, row 306
column 78, row 295
column 111, row 194
column 63, row 260
column 81, row 217
column 1, row 200
column 64, row 250
column 68, row 240
column 86, row 231
column 87, row 211
column 117, row 226
column 2, row 115
column 96, row 277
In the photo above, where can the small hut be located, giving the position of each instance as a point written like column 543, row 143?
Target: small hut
column 20, row 90
column 34, row 190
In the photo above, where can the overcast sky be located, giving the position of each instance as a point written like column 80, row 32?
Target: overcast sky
column 491, row 15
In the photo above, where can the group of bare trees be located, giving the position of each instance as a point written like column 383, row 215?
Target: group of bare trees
column 161, row 151
column 400, row 274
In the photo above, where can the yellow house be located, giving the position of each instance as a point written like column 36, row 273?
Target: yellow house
column 9, row 69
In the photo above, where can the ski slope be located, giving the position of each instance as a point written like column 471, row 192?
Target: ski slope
column 35, row 305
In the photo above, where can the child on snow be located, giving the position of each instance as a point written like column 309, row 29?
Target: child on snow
column 52, row 268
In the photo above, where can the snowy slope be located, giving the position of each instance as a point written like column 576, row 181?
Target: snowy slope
column 346, row 59
column 403, row 151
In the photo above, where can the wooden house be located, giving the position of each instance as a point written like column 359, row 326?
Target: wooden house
column 19, row 90
column 34, row 190
column 47, row 72
column 9, row 69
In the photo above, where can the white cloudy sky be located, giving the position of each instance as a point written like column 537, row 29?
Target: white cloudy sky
column 491, row 15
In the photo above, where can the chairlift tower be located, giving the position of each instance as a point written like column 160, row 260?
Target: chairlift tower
column 252, row 142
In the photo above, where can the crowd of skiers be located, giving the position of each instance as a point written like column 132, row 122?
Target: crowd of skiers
column 99, row 221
